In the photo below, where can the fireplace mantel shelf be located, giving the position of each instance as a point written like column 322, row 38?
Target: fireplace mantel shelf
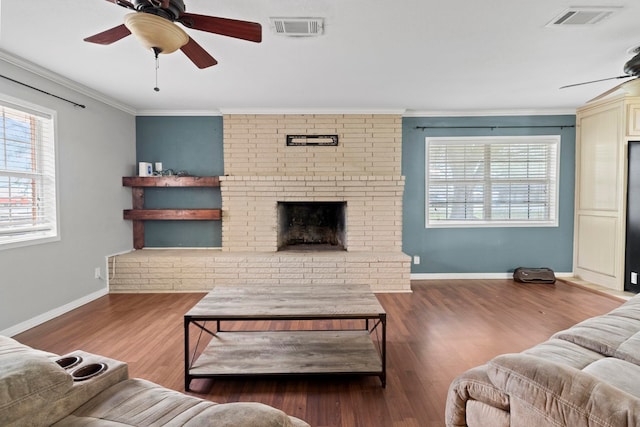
column 171, row 181
column 139, row 214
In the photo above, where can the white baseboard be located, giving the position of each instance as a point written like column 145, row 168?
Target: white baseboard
column 52, row 314
column 460, row 276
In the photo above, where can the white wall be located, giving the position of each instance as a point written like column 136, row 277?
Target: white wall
column 96, row 147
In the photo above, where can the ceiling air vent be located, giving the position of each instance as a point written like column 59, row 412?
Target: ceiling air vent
column 576, row 16
column 298, row 27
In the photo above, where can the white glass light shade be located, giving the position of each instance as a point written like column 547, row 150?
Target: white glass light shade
column 156, row 32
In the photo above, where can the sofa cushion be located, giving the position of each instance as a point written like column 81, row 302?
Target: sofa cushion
column 568, row 353
column 602, row 334
column 618, row 373
column 629, row 350
column 140, row 403
column 29, row 379
column 630, row 309
column 243, row 414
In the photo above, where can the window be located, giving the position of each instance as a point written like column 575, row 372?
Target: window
column 492, row 181
column 27, row 174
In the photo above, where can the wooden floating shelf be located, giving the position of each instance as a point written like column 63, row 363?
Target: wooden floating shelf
column 171, row 181
column 173, row 214
column 139, row 214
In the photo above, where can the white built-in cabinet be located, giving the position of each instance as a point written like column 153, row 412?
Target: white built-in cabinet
column 604, row 128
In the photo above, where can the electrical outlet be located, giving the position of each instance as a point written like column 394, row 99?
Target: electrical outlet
column 416, row 259
column 96, row 273
column 634, row 278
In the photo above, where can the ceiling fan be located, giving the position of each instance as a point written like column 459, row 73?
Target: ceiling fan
column 631, row 69
column 153, row 23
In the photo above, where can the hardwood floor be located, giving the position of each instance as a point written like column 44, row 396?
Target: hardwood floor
column 434, row 334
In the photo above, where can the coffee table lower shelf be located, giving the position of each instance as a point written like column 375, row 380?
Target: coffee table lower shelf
column 289, row 353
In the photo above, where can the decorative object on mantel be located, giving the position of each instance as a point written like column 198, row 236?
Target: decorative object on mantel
column 170, row 172
column 144, row 169
column 154, row 25
column 304, row 140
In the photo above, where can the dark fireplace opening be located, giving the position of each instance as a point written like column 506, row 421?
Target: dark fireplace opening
column 311, row 226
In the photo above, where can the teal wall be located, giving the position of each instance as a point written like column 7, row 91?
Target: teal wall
column 193, row 145
column 485, row 250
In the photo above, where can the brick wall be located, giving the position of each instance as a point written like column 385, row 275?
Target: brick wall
column 368, row 145
column 373, row 214
column 364, row 170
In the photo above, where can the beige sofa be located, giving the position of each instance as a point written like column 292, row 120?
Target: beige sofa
column 35, row 390
column 587, row 375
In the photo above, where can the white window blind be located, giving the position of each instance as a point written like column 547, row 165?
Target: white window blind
column 28, row 207
column 492, row 181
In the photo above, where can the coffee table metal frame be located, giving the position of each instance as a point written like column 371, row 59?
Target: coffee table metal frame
column 215, row 363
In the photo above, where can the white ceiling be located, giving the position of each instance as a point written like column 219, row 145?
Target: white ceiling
column 431, row 56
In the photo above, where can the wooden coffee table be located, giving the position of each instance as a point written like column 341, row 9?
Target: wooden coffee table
column 353, row 351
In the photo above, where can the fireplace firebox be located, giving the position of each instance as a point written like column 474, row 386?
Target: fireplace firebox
column 312, row 226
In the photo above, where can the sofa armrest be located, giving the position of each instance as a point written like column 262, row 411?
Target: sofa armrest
column 472, row 385
column 557, row 394
column 57, row 407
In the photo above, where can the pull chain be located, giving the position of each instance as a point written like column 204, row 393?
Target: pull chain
column 156, row 51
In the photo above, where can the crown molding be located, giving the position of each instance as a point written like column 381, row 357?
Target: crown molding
column 189, row 113
column 488, row 113
column 63, row 81
column 294, row 111
column 402, row 112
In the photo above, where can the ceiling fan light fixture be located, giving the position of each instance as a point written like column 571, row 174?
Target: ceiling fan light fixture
column 156, row 33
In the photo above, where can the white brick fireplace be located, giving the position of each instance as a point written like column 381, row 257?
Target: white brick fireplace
column 261, row 170
column 363, row 170
column 373, row 219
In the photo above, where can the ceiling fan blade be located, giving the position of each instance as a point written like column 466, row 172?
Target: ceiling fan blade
column 112, row 35
column 197, row 54
column 595, row 81
column 609, row 92
column 123, row 3
column 245, row 30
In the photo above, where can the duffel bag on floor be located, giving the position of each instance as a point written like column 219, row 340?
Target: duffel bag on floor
column 534, row 275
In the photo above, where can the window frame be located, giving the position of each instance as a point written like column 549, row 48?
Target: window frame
column 37, row 235
column 553, row 176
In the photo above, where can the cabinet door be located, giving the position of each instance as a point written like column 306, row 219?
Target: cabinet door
column 598, row 160
column 633, row 120
column 599, row 239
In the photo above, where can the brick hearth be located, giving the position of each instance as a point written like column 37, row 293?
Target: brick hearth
column 188, row 270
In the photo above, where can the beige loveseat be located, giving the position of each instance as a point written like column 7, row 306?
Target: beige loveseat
column 587, row 375
column 35, row 390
